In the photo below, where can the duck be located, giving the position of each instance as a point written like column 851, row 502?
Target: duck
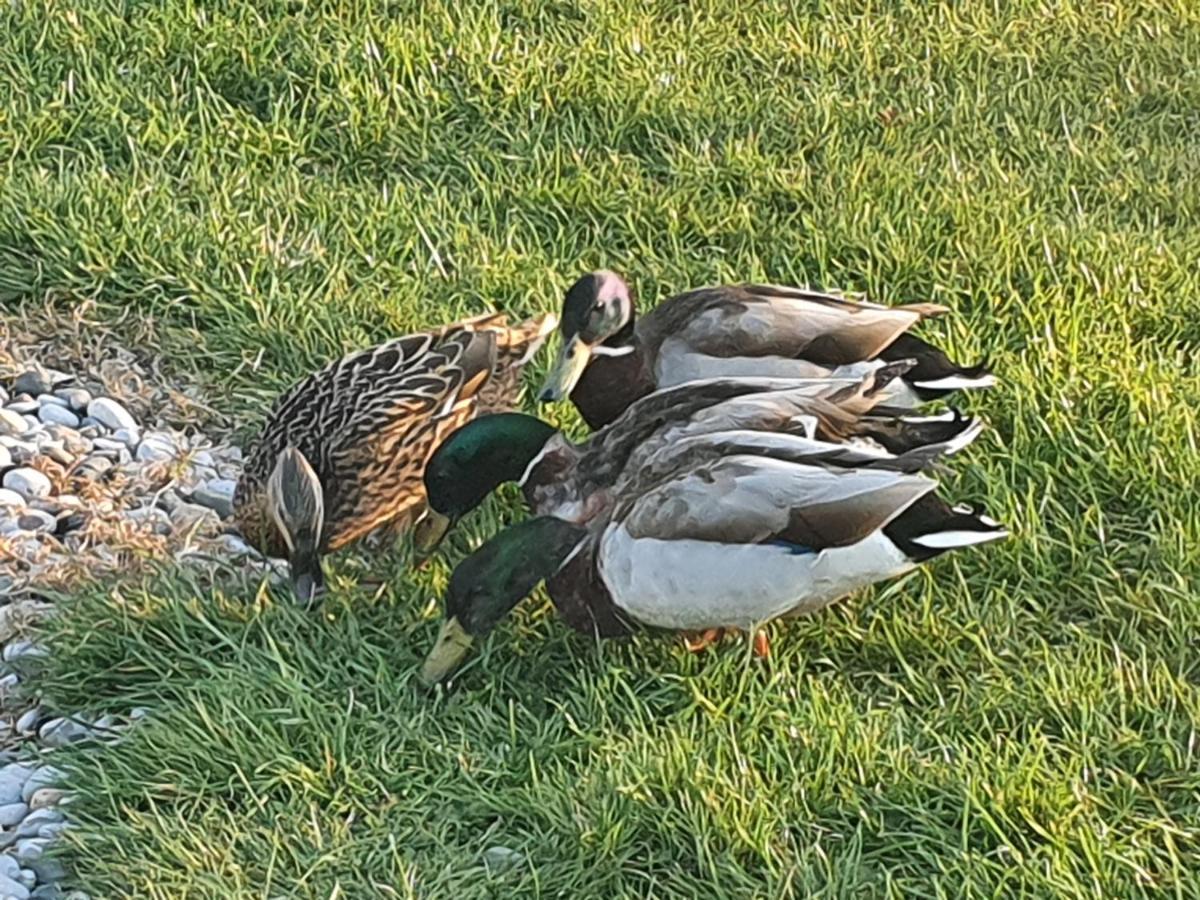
column 609, row 357
column 714, row 538
column 835, row 420
column 341, row 453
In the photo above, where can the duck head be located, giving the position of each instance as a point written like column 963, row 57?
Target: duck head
column 471, row 463
column 597, row 320
column 487, row 584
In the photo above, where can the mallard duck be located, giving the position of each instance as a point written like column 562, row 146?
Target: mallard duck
column 608, row 360
column 567, row 480
column 342, row 452
column 710, row 540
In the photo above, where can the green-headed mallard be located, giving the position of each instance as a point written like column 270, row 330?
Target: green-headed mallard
column 562, row 478
column 343, row 451
column 705, row 525
column 710, row 540
column 608, row 360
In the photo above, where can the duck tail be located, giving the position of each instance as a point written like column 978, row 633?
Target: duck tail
column 944, row 434
column 930, row 527
column 934, row 374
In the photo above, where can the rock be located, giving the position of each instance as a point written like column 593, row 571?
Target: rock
column 13, row 779
column 22, row 648
column 29, row 483
column 27, row 877
column 70, row 521
column 51, row 400
column 48, row 868
column 27, row 723
column 73, row 442
column 61, row 731
column 235, row 546
column 43, row 798
column 75, row 398
column 37, row 521
column 42, row 776
column 58, row 415
column 30, row 849
column 95, row 467
column 10, row 499
column 32, row 382
column 217, row 495
column 190, row 517
column 12, row 889
column 128, row 436
column 157, row 446
column 33, row 822
column 59, row 454
column 20, row 614
column 111, row 414
column 9, row 867
column 11, row 814
column 12, row 422
column 497, row 859
column 6, row 459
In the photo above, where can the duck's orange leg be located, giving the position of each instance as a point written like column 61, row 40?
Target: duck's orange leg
column 702, row 640
column 762, row 645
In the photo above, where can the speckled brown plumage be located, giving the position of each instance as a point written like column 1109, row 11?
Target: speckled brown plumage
column 368, row 422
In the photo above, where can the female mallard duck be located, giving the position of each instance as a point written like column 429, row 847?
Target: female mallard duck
column 343, row 451
column 608, row 360
column 711, row 539
column 567, row 480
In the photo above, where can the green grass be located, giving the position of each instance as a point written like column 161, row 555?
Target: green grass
column 278, row 184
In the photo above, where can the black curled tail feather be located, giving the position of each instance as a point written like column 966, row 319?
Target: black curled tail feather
column 930, row 527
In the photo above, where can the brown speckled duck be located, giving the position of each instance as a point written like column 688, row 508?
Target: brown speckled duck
column 609, row 357
column 342, row 452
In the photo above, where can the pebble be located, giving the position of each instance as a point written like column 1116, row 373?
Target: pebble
column 10, row 498
column 128, row 436
column 235, row 546
column 217, row 495
column 29, row 483
column 33, row 822
column 31, row 848
column 43, row 798
column 51, row 400
column 9, row 867
column 61, row 731
column 42, row 776
column 11, row 680
column 188, row 516
column 12, row 422
column 32, row 382
column 76, row 398
column 26, row 409
column 157, row 446
column 501, row 858
column 71, row 439
column 58, row 415
column 70, row 521
column 49, row 892
column 27, row 877
column 22, row 648
column 12, row 813
column 48, row 869
column 13, row 779
column 14, row 889
column 27, row 724
column 37, row 521
column 111, row 414
column 5, row 458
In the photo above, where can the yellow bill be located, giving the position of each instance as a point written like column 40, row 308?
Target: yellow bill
column 452, row 645
column 568, row 368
